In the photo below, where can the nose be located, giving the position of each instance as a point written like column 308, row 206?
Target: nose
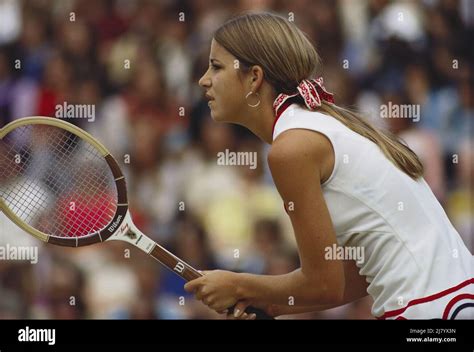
column 205, row 81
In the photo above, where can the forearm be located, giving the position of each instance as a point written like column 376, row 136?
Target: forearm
column 277, row 310
column 294, row 288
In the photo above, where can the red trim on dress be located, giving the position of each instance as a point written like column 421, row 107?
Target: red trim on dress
column 453, row 302
column 430, row 298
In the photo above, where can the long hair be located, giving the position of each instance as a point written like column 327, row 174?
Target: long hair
column 287, row 56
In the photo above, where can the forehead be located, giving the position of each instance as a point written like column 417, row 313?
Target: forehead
column 220, row 53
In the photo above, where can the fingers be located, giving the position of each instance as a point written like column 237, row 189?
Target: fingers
column 240, row 308
column 243, row 316
column 192, row 285
column 215, row 304
column 211, row 300
column 239, row 312
column 213, row 291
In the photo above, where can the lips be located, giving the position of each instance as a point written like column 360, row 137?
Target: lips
column 209, row 97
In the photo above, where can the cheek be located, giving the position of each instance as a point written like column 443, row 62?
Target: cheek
column 228, row 89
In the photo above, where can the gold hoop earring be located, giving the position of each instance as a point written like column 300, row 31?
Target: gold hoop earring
column 255, row 105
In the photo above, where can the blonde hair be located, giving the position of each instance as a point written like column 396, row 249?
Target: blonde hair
column 287, row 56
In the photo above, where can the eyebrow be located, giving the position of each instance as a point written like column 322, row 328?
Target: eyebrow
column 214, row 60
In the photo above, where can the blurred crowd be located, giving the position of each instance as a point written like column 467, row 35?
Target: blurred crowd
column 138, row 63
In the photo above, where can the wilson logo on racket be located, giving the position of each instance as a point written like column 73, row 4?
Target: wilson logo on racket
column 115, row 224
column 179, row 267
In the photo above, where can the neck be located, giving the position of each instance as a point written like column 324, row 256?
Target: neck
column 260, row 120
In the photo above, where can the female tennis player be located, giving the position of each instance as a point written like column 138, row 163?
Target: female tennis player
column 344, row 183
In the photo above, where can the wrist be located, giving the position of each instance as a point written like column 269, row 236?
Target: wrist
column 241, row 289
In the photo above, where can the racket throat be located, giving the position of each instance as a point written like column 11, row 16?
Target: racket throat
column 128, row 232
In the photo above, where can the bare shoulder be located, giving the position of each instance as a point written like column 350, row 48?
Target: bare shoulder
column 301, row 148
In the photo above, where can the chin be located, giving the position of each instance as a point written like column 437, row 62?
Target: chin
column 222, row 116
column 217, row 117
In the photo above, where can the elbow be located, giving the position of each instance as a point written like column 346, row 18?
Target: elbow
column 331, row 292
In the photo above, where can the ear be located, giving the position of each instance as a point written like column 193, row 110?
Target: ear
column 256, row 78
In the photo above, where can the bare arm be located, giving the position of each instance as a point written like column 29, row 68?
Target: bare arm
column 296, row 162
column 299, row 162
column 355, row 288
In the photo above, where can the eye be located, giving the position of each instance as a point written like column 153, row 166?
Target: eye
column 215, row 67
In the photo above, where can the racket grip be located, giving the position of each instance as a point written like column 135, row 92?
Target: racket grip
column 260, row 314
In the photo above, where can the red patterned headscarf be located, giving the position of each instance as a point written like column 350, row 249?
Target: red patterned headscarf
column 311, row 90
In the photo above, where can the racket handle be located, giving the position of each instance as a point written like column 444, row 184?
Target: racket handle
column 260, row 314
column 188, row 273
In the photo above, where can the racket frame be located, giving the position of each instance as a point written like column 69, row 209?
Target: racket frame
column 121, row 227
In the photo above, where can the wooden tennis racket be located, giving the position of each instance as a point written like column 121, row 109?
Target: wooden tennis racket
column 61, row 185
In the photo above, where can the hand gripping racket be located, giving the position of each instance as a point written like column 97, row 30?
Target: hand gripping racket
column 61, row 185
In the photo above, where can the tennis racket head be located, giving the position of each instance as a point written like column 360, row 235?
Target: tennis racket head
column 58, row 183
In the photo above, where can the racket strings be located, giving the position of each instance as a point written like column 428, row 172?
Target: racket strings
column 22, row 197
column 56, row 182
column 15, row 158
column 93, row 219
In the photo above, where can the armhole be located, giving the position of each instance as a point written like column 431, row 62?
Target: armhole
column 336, row 158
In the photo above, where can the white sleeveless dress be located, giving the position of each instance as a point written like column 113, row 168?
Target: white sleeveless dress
column 415, row 262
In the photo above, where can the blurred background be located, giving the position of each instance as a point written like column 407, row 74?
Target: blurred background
column 138, row 64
